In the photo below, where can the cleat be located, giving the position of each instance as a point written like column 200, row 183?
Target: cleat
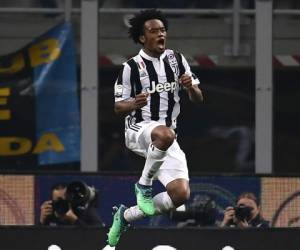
column 144, row 199
column 118, row 227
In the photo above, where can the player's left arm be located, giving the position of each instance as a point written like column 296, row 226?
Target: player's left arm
column 190, row 83
column 194, row 92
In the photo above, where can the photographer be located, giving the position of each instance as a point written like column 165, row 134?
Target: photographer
column 246, row 213
column 73, row 204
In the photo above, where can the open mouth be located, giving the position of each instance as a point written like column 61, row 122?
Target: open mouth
column 161, row 43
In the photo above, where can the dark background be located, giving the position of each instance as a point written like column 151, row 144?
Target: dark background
column 217, row 136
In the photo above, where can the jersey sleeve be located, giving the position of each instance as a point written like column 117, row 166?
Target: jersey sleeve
column 122, row 88
column 188, row 71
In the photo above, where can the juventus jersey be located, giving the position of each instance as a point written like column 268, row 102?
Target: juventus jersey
column 160, row 78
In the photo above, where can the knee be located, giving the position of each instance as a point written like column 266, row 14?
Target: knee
column 179, row 195
column 162, row 137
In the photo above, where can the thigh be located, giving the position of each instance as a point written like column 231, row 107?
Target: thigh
column 138, row 136
column 165, row 176
column 174, row 166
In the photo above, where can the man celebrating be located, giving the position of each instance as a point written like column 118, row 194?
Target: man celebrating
column 147, row 93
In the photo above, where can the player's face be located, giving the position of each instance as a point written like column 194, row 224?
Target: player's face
column 154, row 38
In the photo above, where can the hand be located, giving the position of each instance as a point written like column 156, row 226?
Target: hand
column 126, row 107
column 229, row 215
column 186, row 81
column 46, row 210
column 242, row 224
column 70, row 216
column 140, row 100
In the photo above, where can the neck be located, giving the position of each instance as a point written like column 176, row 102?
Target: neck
column 152, row 53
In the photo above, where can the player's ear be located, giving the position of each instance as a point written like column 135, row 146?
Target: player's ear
column 142, row 39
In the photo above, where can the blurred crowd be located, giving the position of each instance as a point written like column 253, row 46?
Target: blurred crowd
column 205, row 4
column 208, row 4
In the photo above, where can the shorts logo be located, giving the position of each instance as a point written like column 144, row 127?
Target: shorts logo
column 161, row 87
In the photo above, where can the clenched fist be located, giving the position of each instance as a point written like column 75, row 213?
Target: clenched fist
column 140, row 100
column 186, row 81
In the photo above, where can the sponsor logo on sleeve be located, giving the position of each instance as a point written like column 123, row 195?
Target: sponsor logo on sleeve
column 118, row 90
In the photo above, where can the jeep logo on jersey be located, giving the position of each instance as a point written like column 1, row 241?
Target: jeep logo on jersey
column 161, row 87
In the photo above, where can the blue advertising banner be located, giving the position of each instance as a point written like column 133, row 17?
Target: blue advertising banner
column 39, row 107
column 114, row 190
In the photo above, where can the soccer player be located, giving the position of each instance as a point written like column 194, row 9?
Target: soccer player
column 147, row 94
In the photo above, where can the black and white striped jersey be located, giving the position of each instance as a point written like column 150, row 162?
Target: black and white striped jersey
column 159, row 77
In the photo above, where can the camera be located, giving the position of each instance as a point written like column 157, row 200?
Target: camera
column 60, row 206
column 202, row 211
column 243, row 212
column 79, row 196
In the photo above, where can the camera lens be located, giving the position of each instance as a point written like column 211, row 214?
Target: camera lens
column 243, row 212
column 60, row 206
column 77, row 193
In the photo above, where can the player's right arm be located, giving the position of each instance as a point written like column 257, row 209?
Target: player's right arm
column 126, row 99
column 126, row 107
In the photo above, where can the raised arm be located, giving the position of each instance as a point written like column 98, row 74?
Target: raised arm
column 125, row 107
column 194, row 92
column 190, row 83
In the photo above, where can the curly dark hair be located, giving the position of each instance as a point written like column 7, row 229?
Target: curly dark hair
column 138, row 21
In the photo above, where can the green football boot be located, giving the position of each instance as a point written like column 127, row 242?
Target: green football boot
column 144, row 199
column 118, row 227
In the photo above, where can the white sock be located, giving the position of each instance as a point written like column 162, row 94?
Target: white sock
column 155, row 159
column 133, row 213
column 162, row 203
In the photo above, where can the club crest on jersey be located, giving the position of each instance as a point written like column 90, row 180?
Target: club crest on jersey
column 162, row 87
column 173, row 63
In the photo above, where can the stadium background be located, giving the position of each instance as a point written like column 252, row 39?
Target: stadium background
column 65, row 106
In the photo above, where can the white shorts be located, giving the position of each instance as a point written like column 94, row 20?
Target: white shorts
column 138, row 138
